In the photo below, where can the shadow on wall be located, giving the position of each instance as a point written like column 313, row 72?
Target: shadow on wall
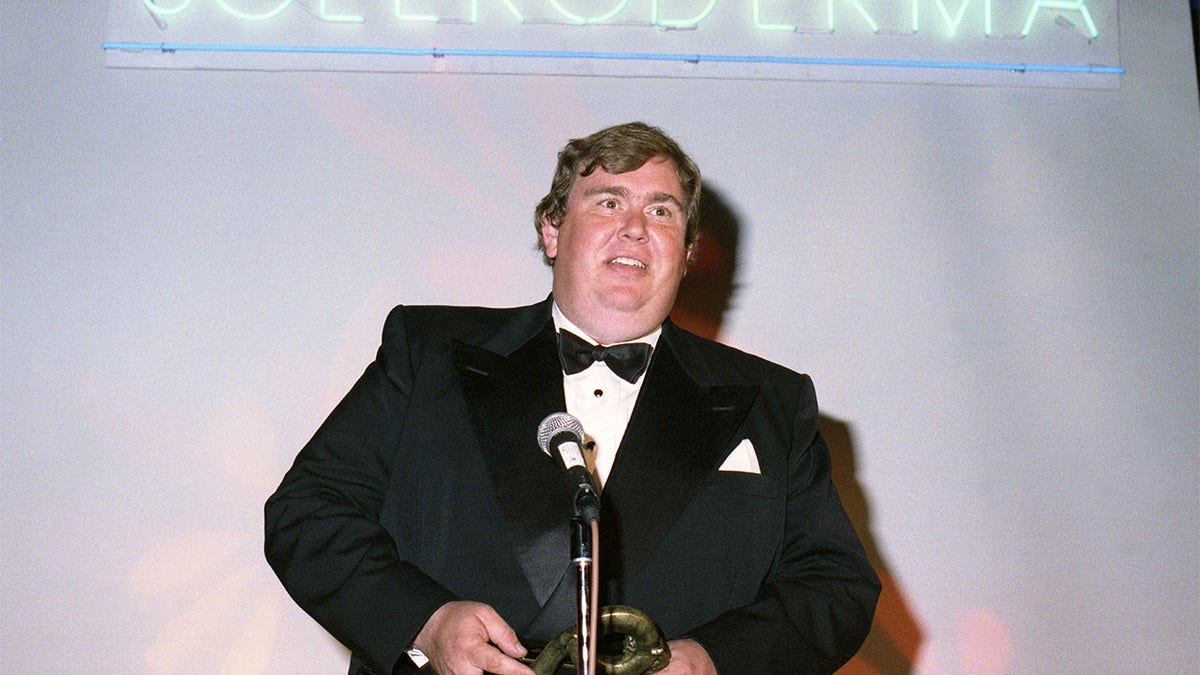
column 706, row 293
column 1195, row 4
column 705, row 297
column 892, row 646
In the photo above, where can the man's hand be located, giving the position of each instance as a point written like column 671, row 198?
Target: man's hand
column 688, row 658
column 470, row 638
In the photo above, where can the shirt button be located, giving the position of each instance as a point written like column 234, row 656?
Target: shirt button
column 598, row 393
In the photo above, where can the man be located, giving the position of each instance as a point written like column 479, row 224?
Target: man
column 423, row 521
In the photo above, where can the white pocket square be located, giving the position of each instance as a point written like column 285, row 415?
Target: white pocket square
column 743, row 459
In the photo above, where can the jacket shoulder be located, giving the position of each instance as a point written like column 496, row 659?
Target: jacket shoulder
column 488, row 327
column 715, row 362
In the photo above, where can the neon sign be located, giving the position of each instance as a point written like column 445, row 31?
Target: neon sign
column 1020, row 42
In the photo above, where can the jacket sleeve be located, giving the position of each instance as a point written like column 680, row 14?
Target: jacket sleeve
column 815, row 608
column 323, row 534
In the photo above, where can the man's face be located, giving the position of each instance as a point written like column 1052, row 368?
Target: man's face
column 620, row 253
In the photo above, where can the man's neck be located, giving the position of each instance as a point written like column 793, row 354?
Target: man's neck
column 563, row 322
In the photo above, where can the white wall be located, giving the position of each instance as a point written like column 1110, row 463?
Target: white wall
column 997, row 290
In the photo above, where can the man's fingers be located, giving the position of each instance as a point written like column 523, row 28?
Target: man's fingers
column 688, row 658
column 499, row 664
column 501, row 634
column 467, row 638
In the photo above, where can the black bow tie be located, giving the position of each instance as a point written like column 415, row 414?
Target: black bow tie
column 627, row 360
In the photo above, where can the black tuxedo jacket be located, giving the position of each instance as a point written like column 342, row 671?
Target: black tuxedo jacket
column 426, row 485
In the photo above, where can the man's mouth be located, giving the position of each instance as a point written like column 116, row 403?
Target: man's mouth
column 631, row 262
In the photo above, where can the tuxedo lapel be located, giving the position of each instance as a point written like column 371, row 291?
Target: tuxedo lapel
column 509, row 395
column 676, row 436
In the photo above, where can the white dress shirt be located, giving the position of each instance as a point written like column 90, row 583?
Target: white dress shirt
column 602, row 401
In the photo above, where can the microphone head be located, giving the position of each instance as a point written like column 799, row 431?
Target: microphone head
column 556, row 423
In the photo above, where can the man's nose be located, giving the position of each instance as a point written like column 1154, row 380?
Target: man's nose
column 634, row 225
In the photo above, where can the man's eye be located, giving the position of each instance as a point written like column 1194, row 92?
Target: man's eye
column 609, row 203
column 661, row 212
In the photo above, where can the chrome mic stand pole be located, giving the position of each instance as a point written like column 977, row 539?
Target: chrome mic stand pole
column 582, row 559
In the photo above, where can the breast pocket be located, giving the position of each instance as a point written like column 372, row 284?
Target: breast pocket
column 738, row 482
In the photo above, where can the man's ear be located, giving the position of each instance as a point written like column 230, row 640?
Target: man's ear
column 549, row 237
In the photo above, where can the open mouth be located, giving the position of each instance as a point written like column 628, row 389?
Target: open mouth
column 631, row 262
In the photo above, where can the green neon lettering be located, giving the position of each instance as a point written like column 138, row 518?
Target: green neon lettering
column 471, row 18
column 153, row 6
column 601, row 18
column 324, row 15
column 254, row 17
column 516, row 12
column 831, row 25
column 861, row 10
column 425, row 18
column 952, row 24
column 1069, row 5
column 474, row 18
column 763, row 25
column 686, row 13
column 680, row 23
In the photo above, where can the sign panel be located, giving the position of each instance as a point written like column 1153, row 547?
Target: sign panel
column 991, row 42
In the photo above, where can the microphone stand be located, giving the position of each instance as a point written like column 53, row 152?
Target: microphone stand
column 584, row 535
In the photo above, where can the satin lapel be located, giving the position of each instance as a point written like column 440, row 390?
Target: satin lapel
column 676, row 436
column 509, row 396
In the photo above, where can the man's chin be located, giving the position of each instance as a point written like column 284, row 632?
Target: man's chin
column 637, row 313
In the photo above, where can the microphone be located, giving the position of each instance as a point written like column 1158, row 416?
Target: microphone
column 560, row 435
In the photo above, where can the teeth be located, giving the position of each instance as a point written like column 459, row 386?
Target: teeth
column 629, row 261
